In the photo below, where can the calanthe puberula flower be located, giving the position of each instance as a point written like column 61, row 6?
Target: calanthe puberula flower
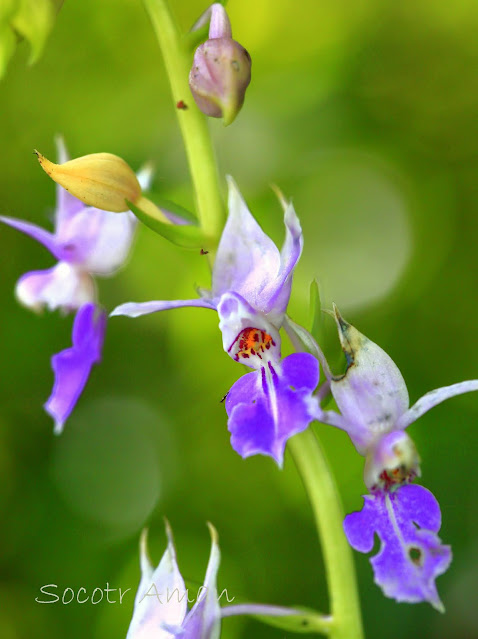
column 251, row 285
column 374, row 410
column 161, row 603
column 86, row 242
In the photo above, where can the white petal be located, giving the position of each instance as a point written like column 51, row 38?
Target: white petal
column 62, row 286
column 161, row 600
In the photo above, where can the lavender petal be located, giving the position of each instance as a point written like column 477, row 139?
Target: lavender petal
column 411, row 555
column 136, row 309
column 277, row 293
column 268, row 406
column 98, row 241
column 72, row 366
column 433, row 398
column 247, row 259
column 39, row 234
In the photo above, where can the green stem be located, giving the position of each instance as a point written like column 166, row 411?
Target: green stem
column 325, row 501
column 197, row 141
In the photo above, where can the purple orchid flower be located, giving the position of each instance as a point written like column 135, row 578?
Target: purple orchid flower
column 86, row 242
column 160, row 607
column 251, row 285
column 374, row 410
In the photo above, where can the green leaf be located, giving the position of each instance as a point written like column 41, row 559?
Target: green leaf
column 187, row 236
column 306, row 621
column 34, row 20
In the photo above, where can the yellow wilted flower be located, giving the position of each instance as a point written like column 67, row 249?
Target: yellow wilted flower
column 102, row 180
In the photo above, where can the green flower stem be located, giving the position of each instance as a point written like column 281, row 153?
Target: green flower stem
column 325, row 501
column 197, row 141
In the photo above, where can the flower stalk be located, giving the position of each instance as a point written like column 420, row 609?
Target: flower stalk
column 325, row 501
column 194, row 130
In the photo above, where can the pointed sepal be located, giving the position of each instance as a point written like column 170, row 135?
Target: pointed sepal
column 372, row 394
column 161, row 599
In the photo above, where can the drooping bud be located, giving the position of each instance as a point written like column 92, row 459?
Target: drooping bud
column 392, row 461
column 221, row 70
column 102, row 180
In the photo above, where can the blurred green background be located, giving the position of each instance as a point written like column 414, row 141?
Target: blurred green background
column 366, row 113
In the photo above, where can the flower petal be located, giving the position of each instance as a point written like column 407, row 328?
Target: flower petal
column 268, row 406
column 237, row 318
column 204, row 619
column 62, row 286
column 72, row 366
column 433, row 398
column 136, row 309
column 247, row 259
column 277, row 292
column 411, row 556
column 39, row 234
column 99, row 241
column 161, row 600
column 145, row 176
column 372, row 394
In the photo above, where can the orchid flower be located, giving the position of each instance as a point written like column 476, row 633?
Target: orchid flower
column 160, row 607
column 161, row 602
column 86, row 242
column 251, row 285
column 374, row 410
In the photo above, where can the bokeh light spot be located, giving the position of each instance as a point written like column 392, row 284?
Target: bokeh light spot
column 105, row 464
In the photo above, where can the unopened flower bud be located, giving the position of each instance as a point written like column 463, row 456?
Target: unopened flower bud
column 391, row 461
column 221, row 70
column 102, row 180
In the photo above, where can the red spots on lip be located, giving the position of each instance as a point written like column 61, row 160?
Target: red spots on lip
column 394, row 476
column 251, row 342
